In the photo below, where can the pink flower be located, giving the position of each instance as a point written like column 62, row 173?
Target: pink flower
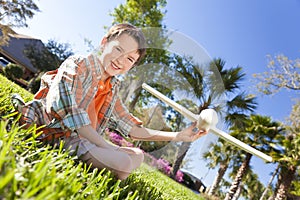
column 164, row 166
column 119, row 140
column 179, row 176
column 115, row 138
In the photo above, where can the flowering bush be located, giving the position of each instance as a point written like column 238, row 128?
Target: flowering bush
column 163, row 166
column 179, row 176
column 118, row 140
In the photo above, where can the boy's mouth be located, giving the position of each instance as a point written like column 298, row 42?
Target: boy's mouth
column 114, row 66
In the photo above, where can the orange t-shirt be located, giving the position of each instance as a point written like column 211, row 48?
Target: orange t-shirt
column 94, row 108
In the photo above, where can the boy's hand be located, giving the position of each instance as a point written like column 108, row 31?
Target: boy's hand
column 190, row 134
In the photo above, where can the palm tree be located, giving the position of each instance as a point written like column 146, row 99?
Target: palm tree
column 237, row 181
column 253, row 186
column 274, row 174
column 225, row 156
column 220, row 155
column 289, row 162
column 258, row 131
column 288, row 156
column 250, row 187
column 236, row 106
column 287, row 174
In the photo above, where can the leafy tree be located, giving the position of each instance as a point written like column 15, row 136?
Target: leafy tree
column 45, row 58
column 14, row 13
column 283, row 74
column 59, row 51
column 147, row 15
column 49, row 57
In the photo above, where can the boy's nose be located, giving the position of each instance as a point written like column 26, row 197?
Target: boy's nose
column 121, row 59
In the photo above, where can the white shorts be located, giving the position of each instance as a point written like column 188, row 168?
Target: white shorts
column 76, row 145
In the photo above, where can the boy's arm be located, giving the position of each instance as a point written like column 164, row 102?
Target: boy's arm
column 89, row 133
column 186, row 135
column 131, row 126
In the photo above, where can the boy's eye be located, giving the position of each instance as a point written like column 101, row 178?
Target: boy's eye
column 131, row 60
column 119, row 49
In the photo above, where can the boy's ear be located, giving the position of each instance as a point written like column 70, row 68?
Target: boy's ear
column 103, row 41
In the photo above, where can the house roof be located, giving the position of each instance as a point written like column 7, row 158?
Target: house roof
column 14, row 51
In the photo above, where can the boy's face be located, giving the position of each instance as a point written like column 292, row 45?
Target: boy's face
column 119, row 55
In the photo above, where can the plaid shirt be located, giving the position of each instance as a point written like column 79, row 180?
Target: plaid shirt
column 65, row 94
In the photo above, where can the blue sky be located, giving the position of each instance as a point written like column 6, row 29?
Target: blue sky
column 240, row 32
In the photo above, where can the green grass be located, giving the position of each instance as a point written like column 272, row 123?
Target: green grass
column 165, row 186
column 30, row 170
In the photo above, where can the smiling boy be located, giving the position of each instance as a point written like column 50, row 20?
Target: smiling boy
column 79, row 100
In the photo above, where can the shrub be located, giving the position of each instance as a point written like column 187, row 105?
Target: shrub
column 13, row 71
column 34, row 84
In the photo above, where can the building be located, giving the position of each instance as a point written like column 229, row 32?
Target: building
column 14, row 52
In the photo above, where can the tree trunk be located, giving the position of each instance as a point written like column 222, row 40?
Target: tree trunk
column 218, row 178
column 236, row 196
column 269, row 183
column 286, row 176
column 238, row 177
column 182, row 150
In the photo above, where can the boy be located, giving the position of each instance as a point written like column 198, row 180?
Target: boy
column 80, row 99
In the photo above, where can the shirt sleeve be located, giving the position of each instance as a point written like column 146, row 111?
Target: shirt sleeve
column 124, row 119
column 61, row 98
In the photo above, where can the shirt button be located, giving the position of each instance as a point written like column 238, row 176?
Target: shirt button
column 101, row 87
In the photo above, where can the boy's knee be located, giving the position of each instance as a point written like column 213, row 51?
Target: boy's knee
column 125, row 164
column 141, row 156
column 122, row 175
